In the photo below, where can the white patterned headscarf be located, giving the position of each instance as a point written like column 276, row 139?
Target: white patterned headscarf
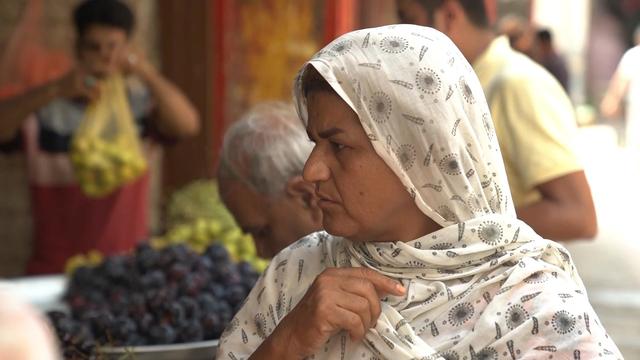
column 423, row 108
column 485, row 286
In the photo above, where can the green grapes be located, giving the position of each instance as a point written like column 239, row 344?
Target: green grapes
column 196, row 216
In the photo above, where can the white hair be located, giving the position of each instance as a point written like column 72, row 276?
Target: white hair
column 265, row 148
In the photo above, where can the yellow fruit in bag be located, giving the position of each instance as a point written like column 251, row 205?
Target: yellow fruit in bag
column 127, row 172
column 105, row 150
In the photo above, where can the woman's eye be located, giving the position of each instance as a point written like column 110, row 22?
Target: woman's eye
column 262, row 232
column 337, row 146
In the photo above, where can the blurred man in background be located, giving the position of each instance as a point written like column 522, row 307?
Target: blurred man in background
column 43, row 121
column 625, row 88
column 260, row 177
column 519, row 32
column 546, row 55
column 533, row 118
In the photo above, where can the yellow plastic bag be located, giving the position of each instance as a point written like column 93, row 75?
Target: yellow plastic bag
column 105, row 150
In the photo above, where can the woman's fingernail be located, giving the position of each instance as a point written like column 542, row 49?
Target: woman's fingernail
column 401, row 288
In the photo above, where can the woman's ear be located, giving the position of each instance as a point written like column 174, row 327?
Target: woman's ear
column 304, row 194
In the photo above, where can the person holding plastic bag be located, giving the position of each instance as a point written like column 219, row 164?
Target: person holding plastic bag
column 87, row 138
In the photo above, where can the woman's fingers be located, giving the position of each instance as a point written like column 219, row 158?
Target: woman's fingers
column 350, row 322
column 339, row 299
column 353, row 294
column 368, row 285
column 383, row 284
column 363, row 289
column 359, row 306
column 93, row 93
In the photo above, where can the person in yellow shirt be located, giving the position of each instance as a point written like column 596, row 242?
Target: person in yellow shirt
column 533, row 117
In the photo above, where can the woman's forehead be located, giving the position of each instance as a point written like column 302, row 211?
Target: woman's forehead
column 328, row 111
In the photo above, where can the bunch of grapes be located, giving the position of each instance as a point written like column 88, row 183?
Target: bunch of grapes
column 92, row 258
column 198, row 200
column 196, row 216
column 165, row 296
column 203, row 232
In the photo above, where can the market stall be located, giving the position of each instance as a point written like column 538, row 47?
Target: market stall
column 171, row 297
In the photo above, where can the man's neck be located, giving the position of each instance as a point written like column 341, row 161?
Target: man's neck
column 477, row 43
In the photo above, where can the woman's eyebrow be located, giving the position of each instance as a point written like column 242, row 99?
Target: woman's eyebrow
column 254, row 228
column 326, row 133
column 330, row 132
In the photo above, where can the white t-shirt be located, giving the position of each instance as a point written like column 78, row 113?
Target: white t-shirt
column 629, row 68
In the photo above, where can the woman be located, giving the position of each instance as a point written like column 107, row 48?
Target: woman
column 426, row 259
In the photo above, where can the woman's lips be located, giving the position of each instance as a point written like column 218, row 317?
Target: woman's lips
column 324, row 201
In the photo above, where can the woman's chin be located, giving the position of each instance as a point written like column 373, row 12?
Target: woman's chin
column 337, row 226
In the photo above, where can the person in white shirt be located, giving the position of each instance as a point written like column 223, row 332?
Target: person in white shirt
column 625, row 87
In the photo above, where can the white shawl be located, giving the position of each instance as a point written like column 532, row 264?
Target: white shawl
column 485, row 286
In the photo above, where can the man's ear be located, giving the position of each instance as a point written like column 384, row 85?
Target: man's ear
column 450, row 13
column 304, row 193
column 77, row 46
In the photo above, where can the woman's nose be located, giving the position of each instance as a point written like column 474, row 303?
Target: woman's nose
column 315, row 169
column 108, row 52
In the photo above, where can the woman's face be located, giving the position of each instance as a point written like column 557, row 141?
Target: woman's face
column 100, row 49
column 360, row 196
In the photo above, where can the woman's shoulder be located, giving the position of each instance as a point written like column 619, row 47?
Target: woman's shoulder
column 299, row 264
column 277, row 292
column 294, row 269
column 317, row 243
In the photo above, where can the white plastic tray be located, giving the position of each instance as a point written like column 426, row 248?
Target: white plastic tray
column 202, row 350
column 45, row 293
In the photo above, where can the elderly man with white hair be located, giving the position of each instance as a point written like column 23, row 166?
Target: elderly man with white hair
column 260, row 177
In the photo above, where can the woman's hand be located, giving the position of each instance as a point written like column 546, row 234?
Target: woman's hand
column 134, row 61
column 339, row 299
column 177, row 115
column 79, row 83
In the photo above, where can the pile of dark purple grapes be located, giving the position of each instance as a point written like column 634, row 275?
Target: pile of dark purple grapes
column 166, row 296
